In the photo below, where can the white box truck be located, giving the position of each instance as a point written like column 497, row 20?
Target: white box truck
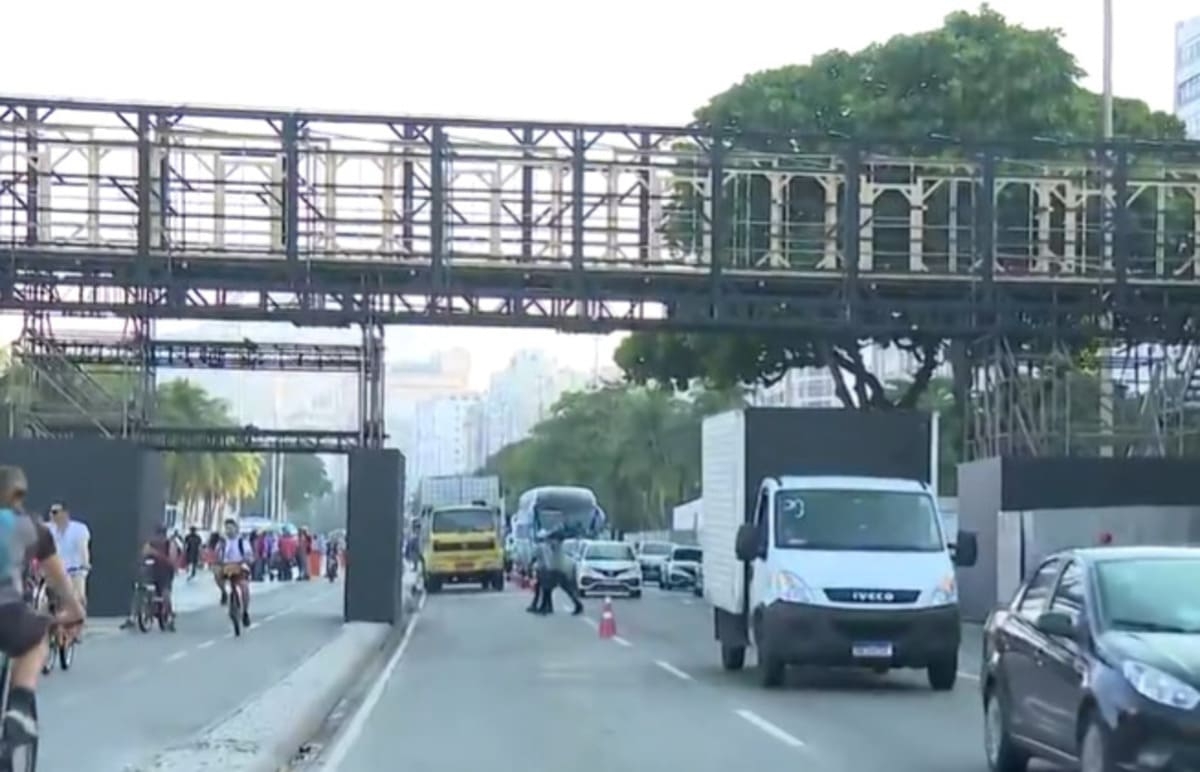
column 823, row 545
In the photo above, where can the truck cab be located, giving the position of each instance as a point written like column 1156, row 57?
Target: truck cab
column 462, row 545
column 850, row 571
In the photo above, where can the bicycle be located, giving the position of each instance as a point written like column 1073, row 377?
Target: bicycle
column 39, row 597
column 233, row 574
column 151, row 606
column 20, row 758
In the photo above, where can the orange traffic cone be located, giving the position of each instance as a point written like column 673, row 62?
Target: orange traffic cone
column 608, row 622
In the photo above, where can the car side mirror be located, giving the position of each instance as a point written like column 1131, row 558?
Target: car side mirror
column 1057, row 624
column 966, row 551
column 748, row 544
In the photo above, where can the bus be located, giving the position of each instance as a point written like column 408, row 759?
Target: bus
column 568, row 511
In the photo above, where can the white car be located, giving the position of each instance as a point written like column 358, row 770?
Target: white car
column 652, row 555
column 608, row 567
column 681, row 569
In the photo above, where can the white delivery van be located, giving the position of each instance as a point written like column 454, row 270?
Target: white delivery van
column 823, row 544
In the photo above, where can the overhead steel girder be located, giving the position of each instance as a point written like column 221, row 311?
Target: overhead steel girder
column 249, row 440
column 208, row 354
column 338, row 294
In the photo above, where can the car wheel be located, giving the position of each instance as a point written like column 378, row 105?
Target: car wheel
column 1093, row 749
column 943, row 672
column 1002, row 754
column 635, row 594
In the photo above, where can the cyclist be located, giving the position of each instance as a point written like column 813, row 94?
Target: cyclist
column 162, row 573
column 23, row 632
column 234, row 555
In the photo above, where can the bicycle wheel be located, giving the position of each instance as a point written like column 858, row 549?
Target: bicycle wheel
column 235, row 609
column 21, row 758
column 145, row 614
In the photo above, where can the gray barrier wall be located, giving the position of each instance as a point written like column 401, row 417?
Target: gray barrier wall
column 1023, row 509
column 115, row 486
column 375, row 537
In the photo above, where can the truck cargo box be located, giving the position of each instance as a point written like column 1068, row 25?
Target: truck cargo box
column 740, row 448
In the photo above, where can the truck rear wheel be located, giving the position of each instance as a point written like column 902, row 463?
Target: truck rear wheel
column 733, row 657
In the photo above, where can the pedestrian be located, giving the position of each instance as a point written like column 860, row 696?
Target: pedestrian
column 191, row 551
column 559, row 572
column 542, row 603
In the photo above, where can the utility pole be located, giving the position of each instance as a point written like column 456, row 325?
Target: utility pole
column 1106, row 352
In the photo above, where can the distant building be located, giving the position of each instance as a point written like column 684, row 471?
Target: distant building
column 1187, row 75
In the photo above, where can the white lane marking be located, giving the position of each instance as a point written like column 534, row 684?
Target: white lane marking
column 968, row 676
column 343, row 745
column 206, row 644
column 589, row 622
column 667, row 666
column 767, row 727
column 176, row 656
column 618, row 639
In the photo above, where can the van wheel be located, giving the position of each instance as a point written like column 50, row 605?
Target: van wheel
column 770, row 670
column 733, row 657
column 943, row 672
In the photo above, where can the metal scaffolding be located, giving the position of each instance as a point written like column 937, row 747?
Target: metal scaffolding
column 1035, row 400
column 95, row 384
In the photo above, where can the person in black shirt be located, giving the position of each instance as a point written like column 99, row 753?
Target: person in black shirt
column 191, row 551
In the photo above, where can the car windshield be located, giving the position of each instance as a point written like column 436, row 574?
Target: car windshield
column 686, row 556
column 1150, row 595
column 466, row 519
column 822, row 519
column 656, row 548
column 609, row 551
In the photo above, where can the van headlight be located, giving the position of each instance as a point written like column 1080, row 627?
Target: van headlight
column 946, row 592
column 1157, row 686
column 791, row 588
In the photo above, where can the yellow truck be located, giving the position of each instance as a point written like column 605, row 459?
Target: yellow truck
column 462, row 532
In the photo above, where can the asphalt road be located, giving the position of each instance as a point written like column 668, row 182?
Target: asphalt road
column 130, row 694
column 482, row 685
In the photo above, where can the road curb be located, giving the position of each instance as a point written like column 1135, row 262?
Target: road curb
column 264, row 733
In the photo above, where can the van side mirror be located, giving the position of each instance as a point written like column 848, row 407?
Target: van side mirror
column 747, row 544
column 966, row 551
column 1057, row 624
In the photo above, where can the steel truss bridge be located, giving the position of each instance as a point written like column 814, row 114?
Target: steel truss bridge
column 169, row 211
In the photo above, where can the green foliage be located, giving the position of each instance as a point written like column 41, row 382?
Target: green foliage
column 305, row 484
column 203, row 482
column 976, row 78
column 637, row 448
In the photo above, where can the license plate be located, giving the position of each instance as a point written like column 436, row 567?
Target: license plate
column 463, row 566
column 872, row 650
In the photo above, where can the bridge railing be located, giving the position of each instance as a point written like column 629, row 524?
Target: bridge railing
column 196, row 183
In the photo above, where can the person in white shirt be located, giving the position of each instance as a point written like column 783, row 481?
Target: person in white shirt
column 74, row 542
column 234, row 555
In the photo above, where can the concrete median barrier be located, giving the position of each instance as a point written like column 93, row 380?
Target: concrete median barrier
column 264, row 733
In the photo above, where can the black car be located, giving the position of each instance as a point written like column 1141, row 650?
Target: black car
column 1096, row 662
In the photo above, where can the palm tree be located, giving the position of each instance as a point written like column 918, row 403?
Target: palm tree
column 204, row 484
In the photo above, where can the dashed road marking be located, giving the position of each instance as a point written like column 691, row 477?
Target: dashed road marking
column 206, row 644
column 667, row 666
column 176, row 656
column 619, row 640
column 767, row 727
column 134, row 674
column 968, row 676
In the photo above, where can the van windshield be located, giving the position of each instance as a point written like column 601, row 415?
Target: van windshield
column 895, row 521
column 464, row 519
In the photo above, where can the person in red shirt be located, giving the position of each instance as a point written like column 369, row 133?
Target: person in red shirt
column 288, row 547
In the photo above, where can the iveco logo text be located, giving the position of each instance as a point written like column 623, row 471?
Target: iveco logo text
column 862, row 596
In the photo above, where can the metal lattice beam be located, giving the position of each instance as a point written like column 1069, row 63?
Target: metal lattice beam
column 209, row 354
column 229, row 440
column 320, row 218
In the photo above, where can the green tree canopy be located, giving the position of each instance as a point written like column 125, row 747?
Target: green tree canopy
column 305, row 483
column 203, row 482
column 637, row 448
column 977, row 77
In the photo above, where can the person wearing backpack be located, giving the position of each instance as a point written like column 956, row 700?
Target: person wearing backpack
column 235, row 550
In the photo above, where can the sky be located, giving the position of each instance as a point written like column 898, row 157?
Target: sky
column 603, row 60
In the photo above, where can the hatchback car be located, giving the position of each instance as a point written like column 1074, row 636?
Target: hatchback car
column 608, row 566
column 1096, row 663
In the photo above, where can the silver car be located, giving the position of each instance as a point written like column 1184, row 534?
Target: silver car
column 681, row 568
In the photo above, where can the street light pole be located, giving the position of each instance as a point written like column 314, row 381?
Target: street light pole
column 1106, row 375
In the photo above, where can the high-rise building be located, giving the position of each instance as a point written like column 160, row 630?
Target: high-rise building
column 1187, row 75
column 444, row 441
